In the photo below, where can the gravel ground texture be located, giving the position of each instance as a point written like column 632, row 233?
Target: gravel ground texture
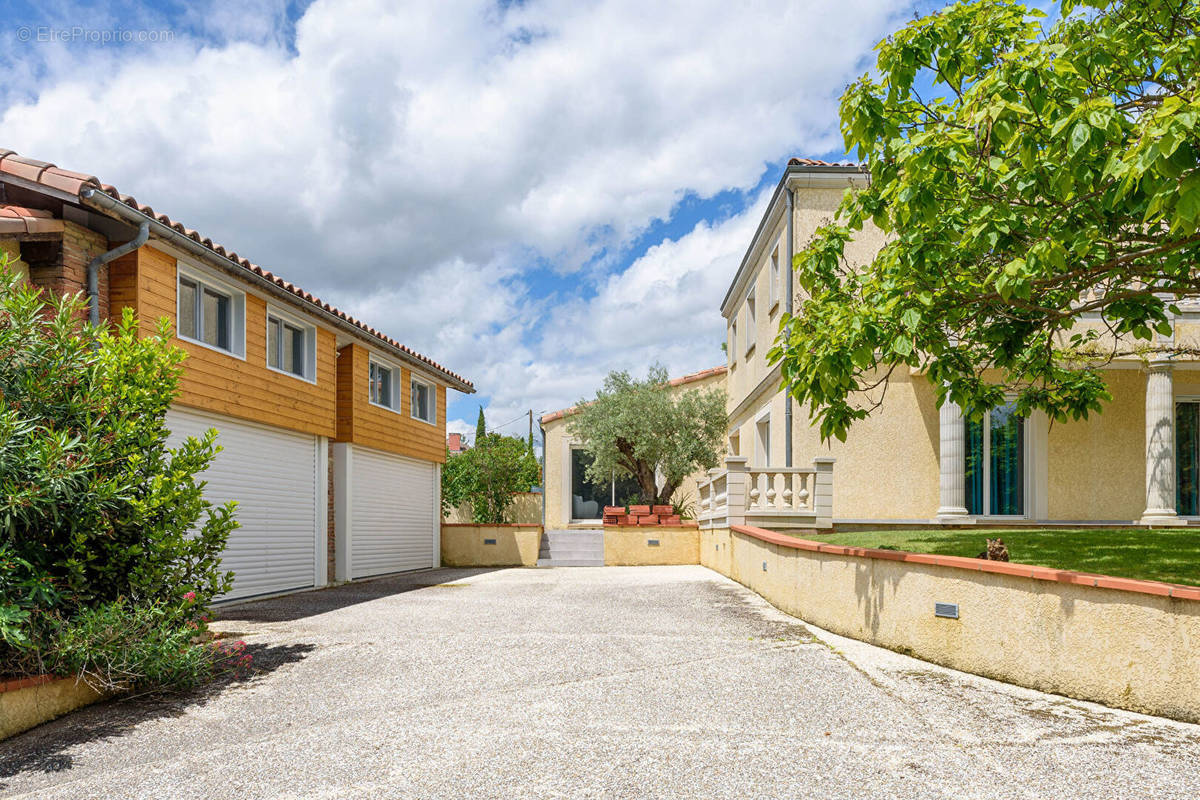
column 591, row 682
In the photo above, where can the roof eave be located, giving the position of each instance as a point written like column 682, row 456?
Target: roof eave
column 792, row 175
column 103, row 202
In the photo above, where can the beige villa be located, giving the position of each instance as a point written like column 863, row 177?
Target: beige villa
column 913, row 463
column 570, row 499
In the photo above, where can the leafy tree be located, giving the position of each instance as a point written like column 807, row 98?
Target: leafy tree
column 480, row 427
column 1050, row 174
column 94, row 507
column 645, row 429
column 487, row 476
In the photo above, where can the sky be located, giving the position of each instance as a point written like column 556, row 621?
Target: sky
column 530, row 193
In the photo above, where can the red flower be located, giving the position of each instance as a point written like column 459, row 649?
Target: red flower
column 189, row 596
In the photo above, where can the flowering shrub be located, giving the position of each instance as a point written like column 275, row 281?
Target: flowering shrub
column 99, row 519
column 121, row 645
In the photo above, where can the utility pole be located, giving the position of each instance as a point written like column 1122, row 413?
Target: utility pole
column 531, row 426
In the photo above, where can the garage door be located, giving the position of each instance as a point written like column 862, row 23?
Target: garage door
column 272, row 474
column 393, row 513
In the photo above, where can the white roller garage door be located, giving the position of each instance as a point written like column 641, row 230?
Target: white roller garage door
column 393, row 511
column 273, row 475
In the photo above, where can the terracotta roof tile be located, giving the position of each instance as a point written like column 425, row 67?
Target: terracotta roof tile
column 52, row 177
column 813, row 162
column 17, row 220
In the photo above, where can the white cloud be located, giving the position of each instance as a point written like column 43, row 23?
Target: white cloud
column 409, row 160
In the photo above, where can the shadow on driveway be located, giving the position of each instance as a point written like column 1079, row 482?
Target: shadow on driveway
column 43, row 749
column 289, row 608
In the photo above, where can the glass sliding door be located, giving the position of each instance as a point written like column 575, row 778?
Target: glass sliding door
column 1007, row 462
column 976, row 476
column 1187, row 458
column 589, row 499
column 995, row 463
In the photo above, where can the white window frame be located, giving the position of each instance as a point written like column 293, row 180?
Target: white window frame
column 776, row 280
column 310, row 344
column 751, row 323
column 432, row 389
column 733, row 342
column 397, row 398
column 237, row 309
column 762, row 445
column 1027, row 469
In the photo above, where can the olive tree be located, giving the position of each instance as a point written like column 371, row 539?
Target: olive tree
column 650, row 432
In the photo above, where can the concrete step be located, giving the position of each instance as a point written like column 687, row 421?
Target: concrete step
column 571, row 548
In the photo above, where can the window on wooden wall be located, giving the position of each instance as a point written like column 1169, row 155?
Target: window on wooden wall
column 424, row 401
column 385, row 381
column 291, row 346
column 210, row 313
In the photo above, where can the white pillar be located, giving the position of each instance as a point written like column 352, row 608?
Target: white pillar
column 737, row 478
column 343, row 467
column 823, row 491
column 952, row 462
column 1160, row 446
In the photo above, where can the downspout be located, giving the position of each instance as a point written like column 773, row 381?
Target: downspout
column 93, row 269
column 787, row 397
column 542, row 431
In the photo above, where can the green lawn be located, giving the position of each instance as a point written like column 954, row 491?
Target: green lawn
column 1156, row 555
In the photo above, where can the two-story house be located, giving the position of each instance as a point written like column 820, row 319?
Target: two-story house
column 911, row 462
column 332, row 433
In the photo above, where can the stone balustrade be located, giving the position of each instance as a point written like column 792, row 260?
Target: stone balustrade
column 774, row 497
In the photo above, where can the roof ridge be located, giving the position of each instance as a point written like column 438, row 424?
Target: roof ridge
column 50, row 176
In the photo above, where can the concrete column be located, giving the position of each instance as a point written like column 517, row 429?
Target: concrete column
column 343, row 467
column 952, row 458
column 737, row 477
column 1160, row 446
column 823, row 491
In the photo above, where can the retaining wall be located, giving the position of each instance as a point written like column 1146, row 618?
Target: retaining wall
column 651, row 545
column 28, row 702
column 490, row 545
column 1125, row 643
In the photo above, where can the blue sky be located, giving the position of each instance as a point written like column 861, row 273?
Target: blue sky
column 530, row 193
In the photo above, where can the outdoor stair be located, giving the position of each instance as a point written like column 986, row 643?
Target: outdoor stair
column 574, row 548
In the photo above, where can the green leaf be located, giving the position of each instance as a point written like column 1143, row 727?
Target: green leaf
column 1080, row 135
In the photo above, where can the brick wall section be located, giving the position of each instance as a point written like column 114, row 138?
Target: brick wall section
column 66, row 272
column 332, row 551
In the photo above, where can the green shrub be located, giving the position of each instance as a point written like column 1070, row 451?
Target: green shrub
column 94, row 507
column 119, row 646
column 486, row 477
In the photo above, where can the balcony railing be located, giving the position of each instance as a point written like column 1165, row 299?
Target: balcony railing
column 768, row 497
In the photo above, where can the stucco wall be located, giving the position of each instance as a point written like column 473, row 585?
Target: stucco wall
column 468, row 545
column 1128, row 649
column 1097, row 466
column 813, row 208
column 525, row 510
column 630, row 546
column 22, row 709
column 557, row 478
column 888, row 466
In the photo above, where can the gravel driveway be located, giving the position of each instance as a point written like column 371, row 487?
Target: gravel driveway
column 607, row 682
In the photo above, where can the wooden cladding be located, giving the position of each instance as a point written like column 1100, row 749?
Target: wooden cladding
column 395, row 431
column 145, row 280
